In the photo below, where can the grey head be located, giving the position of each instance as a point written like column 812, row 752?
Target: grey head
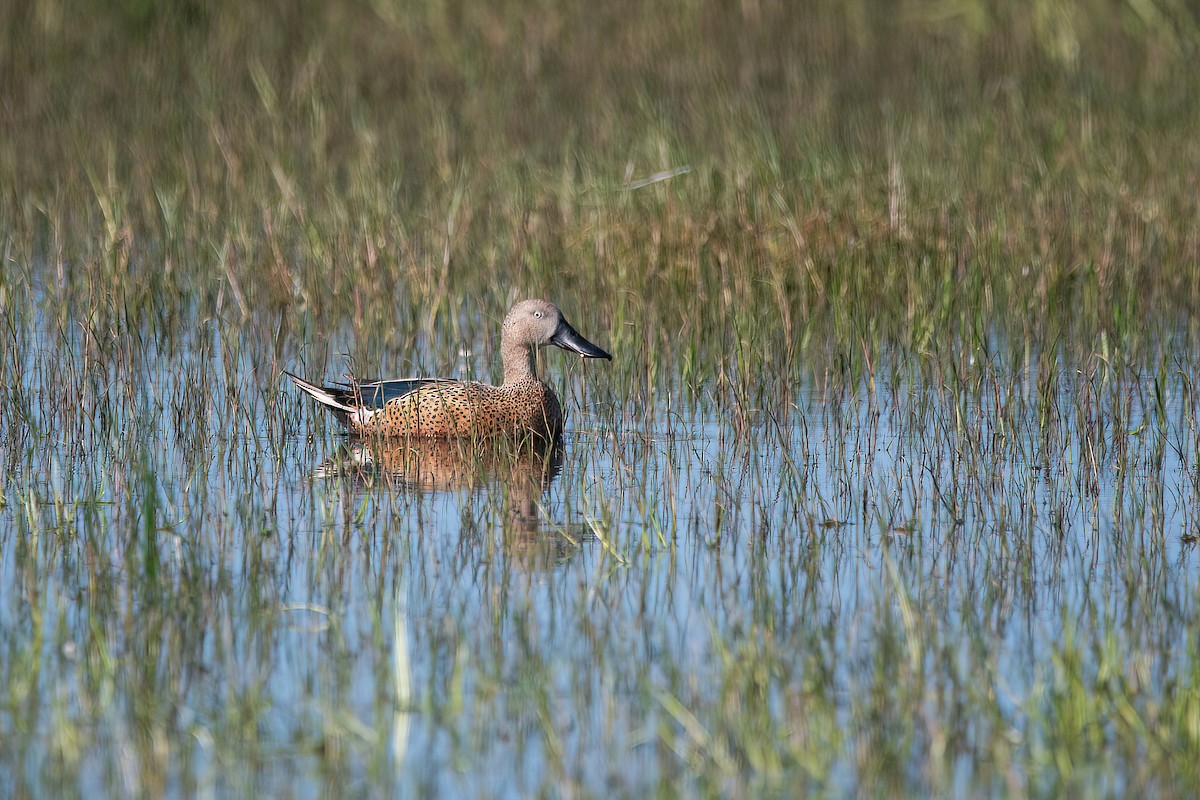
column 537, row 323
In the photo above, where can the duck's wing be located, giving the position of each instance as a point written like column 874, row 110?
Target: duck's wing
column 375, row 394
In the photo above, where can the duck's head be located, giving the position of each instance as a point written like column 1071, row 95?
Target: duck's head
column 537, row 323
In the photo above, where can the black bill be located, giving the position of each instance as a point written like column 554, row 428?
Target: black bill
column 568, row 338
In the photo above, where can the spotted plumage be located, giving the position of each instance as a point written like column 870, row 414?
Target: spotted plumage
column 442, row 407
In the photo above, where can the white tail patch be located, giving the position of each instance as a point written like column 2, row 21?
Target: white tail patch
column 337, row 400
column 321, row 395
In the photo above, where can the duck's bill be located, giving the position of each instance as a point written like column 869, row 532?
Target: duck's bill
column 568, row 338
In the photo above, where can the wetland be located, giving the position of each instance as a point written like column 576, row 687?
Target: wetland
column 891, row 487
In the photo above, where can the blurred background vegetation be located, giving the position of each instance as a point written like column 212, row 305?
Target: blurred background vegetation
column 863, row 170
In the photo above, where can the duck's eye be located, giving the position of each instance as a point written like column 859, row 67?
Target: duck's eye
column 537, row 314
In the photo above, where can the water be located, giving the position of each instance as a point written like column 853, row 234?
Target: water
column 205, row 588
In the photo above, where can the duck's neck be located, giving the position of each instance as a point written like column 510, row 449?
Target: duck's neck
column 518, row 363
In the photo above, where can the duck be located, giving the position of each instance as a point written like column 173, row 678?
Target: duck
column 451, row 408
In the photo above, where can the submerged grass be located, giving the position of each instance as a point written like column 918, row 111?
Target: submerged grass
column 893, row 486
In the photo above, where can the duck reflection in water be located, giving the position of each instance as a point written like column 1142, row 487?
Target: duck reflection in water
column 523, row 468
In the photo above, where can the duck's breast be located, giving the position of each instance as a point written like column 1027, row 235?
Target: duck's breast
column 533, row 407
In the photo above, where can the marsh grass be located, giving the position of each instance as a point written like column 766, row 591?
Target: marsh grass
column 892, row 487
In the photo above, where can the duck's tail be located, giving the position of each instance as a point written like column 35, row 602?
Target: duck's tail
column 341, row 401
